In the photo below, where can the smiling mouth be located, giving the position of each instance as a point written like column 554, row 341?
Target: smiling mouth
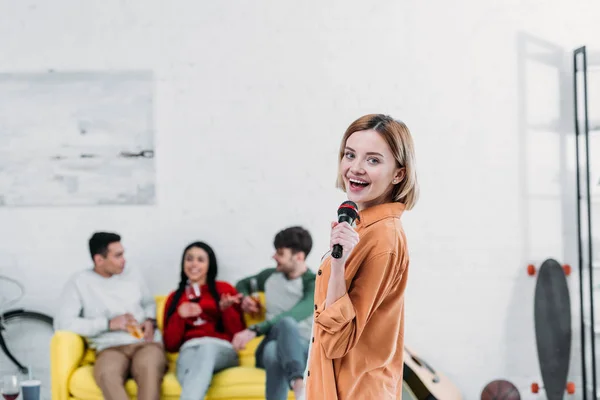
column 357, row 183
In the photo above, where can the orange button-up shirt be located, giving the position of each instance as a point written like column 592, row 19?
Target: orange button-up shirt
column 358, row 343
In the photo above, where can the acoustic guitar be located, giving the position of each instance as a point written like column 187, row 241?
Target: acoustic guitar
column 426, row 382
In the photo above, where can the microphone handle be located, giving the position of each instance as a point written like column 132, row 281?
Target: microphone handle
column 337, row 250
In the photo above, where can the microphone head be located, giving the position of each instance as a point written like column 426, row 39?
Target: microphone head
column 348, row 209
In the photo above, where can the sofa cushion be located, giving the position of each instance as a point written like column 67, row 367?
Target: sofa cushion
column 231, row 383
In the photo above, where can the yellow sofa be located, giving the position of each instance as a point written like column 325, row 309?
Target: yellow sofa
column 71, row 366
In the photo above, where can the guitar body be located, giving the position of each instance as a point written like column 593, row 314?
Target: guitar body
column 426, row 382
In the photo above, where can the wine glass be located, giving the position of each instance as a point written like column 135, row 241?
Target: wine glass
column 192, row 293
column 256, row 297
column 10, row 387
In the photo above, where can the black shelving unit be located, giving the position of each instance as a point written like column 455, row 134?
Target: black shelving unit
column 584, row 223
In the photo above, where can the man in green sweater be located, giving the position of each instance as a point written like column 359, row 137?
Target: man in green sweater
column 289, row 295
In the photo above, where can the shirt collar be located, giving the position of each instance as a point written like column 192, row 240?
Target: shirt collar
column 381, row 211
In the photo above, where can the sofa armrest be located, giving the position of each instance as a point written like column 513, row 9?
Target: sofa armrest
column 66, row 352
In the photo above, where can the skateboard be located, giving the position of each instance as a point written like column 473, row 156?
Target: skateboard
column 425, row 382
column 552, row 315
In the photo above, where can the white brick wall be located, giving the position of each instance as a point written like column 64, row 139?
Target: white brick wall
column 287, row 79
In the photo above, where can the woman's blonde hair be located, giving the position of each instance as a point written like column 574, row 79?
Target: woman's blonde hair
column 399, row 139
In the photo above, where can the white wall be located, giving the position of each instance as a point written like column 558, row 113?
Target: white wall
column 252, row 99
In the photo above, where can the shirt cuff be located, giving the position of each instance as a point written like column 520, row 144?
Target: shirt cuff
column 262, row 327
column 333, row 318
column 102, row 325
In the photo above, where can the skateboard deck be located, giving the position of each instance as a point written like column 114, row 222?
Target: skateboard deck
column 552, row 314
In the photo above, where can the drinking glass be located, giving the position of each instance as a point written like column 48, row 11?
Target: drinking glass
column 193, row 295
column 254, row 295
column 10, row 387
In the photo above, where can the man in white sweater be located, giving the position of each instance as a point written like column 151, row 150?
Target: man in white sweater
column 115, row 312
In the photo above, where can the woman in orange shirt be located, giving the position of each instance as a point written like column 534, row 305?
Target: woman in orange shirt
column 357, row 349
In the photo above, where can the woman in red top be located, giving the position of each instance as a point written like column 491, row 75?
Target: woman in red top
column 200, row 319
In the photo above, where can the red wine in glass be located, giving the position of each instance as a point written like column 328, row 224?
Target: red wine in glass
column 10, row 387
column 193, row 296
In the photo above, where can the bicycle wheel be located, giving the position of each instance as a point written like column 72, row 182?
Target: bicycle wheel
column 25, row 340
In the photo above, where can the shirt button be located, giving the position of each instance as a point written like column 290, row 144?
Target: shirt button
column 315, row 306
column 320, row 272
column 313, row 339
column 308, row 373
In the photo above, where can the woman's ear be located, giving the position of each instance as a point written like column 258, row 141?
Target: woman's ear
column 399, row 176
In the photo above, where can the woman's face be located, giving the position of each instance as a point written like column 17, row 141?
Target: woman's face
column 195, row 265
column 369, row 169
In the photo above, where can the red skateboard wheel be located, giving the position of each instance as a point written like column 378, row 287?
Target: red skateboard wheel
column 567, row 269
column 531, row 269
column 535, row 387
column 570, row 387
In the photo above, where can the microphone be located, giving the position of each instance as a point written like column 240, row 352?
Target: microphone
column 347, row 212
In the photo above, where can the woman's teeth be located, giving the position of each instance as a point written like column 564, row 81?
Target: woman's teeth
column 358, row 182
